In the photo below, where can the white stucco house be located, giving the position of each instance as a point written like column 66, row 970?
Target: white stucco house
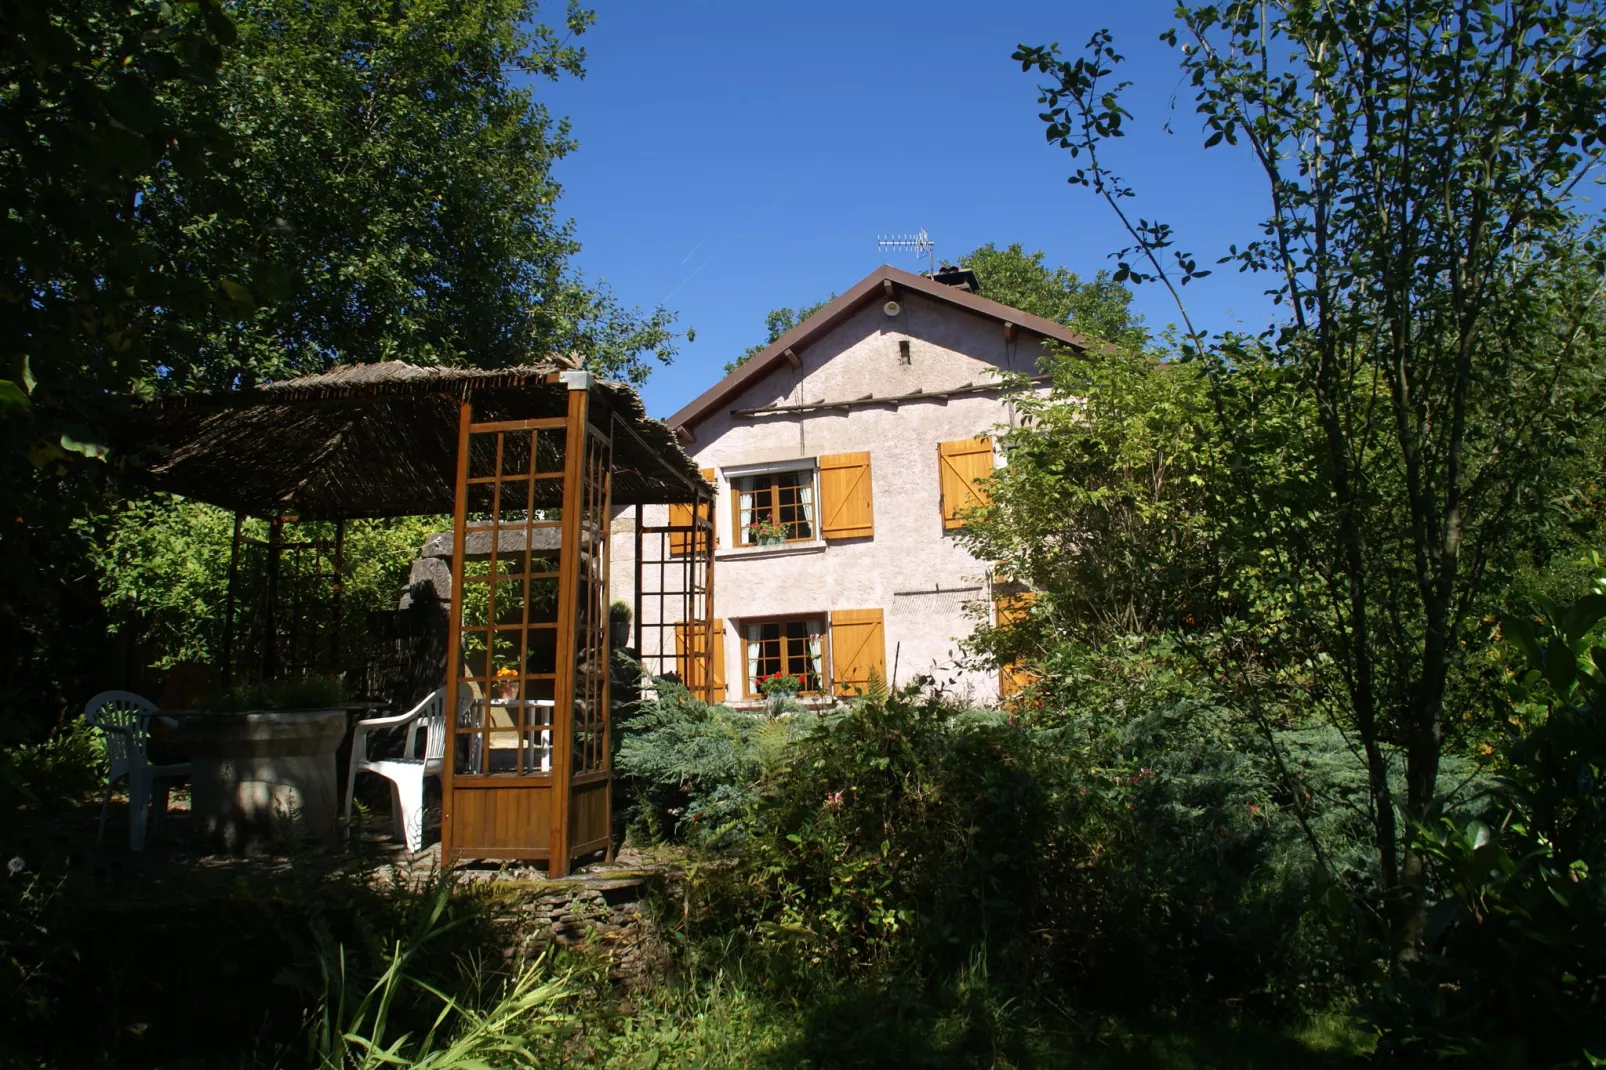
column 844, row 455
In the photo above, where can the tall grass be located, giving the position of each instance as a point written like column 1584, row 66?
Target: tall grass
column 355, row 1026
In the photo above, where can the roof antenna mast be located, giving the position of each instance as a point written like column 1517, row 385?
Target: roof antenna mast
column 920, row 244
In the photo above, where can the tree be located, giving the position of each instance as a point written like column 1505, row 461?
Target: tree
column 1099, row 310
column 1441, row 287
column 776, row 323
column 94, row 98
column 201, row 200
column 1103, row 507
column 397, row 197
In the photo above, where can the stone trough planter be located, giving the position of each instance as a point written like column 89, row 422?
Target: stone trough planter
column 259, row 775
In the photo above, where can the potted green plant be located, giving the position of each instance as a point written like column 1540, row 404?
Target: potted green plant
column 767, row 532
column 619, row 615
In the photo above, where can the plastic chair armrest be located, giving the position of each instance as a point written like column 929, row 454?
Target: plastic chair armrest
column 389, row 722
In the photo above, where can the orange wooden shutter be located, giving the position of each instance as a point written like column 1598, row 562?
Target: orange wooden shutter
column 960, row 465
column 1008, row 609
column 692, row 667
column 845, row 505
column 858, row 649
column 680, row 516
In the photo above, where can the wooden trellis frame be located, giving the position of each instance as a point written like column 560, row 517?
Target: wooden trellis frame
column 674, row 617
column 391, row 440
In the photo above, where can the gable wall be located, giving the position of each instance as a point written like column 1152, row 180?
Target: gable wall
column 911, row 569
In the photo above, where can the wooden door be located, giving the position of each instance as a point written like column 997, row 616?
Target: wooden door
column 529, row 636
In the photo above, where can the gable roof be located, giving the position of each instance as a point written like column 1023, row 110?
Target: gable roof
column 881, row 284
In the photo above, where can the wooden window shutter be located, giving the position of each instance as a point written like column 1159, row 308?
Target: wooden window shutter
column 961, row 465
column 680, row 516
column 845, row 506
column 692, row 677
column 1007, row 610
column 858, row 650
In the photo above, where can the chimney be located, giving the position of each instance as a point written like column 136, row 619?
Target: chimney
column 961, row 278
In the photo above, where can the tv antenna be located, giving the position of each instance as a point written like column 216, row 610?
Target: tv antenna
column 920, row 244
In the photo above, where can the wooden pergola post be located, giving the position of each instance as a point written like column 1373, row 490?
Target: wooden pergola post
column 569, row 564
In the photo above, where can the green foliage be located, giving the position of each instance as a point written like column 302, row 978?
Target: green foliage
column 394, row 174
column 163, row 568
column 92, row 102
column 208, row 196
column 1099, row 310
column 53, row 774
column 1438, row 348
column 1124, row 846
column 1105, row 505
column 776, row 323
column 693, row 768
column 1514, row 965
column 310, row 693
column 282, row 966
column 353, row 1028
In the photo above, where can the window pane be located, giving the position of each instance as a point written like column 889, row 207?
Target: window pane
column 788, row 647
column 785, row 498
column 755, row 503
column 795, row 497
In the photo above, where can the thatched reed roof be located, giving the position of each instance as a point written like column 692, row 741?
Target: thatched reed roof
column 374, row 440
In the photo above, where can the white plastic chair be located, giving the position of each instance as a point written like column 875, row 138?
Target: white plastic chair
column 124, row 719
column 406, row 774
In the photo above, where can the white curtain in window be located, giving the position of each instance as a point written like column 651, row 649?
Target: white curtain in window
column 744, row 506
column 814, row 649
column 805, row 501
column 755, row 635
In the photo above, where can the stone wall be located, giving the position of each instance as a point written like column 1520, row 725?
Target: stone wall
column 605, row 914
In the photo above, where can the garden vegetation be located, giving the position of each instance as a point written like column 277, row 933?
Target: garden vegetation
column 1308, row 765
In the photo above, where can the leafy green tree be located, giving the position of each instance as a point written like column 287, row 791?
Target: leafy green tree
column 94, row 98
column 202, row 198
column 1519, row 956
column 1103, row 506
column 396, row 192
column 1099, row 309
column 777, row 323
column 1441, row 282
column 163, row 569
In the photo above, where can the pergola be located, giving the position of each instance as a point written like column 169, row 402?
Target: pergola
column 531, row 463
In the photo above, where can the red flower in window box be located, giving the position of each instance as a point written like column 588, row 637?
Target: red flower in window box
column 780, row 683
column 768, row 528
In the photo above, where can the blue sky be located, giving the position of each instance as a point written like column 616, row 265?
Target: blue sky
column 735, row 157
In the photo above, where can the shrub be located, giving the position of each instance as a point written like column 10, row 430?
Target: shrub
column 1124, row 842
column 693, row 769
column 1513, row 970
